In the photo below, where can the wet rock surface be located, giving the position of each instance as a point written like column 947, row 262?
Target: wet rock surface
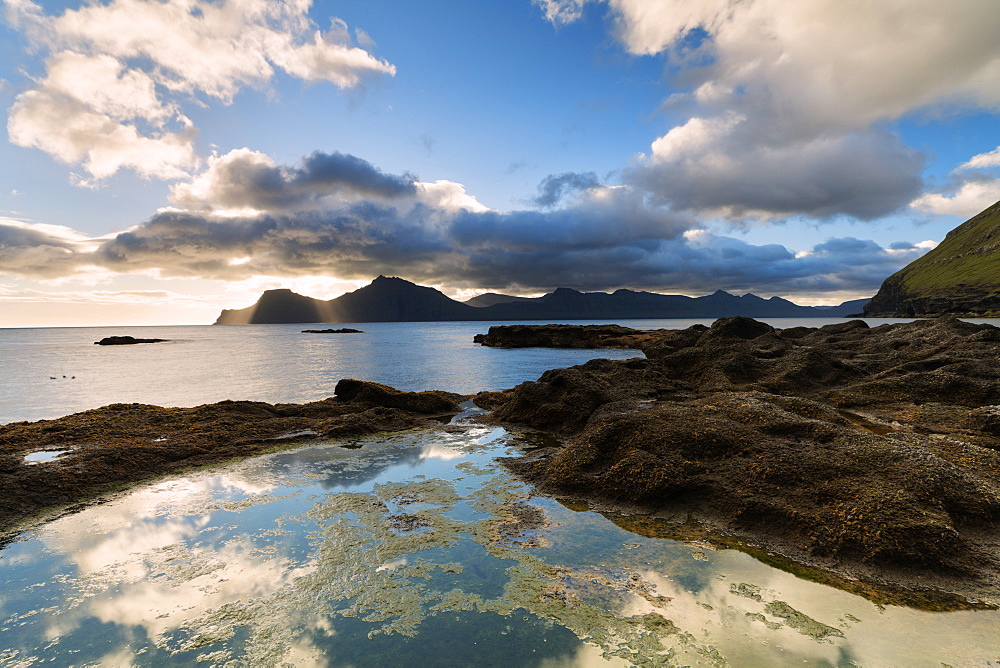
column 872, row 452
column 110, row 447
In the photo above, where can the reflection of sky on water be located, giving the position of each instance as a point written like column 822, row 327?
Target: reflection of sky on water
column 406, row 550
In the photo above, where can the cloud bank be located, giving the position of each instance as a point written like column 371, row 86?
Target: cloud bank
column 118, row 75
column 338, row 215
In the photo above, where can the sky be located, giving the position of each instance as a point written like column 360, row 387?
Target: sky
column 165, row 159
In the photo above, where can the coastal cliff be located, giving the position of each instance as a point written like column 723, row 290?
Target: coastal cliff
column 960, row 277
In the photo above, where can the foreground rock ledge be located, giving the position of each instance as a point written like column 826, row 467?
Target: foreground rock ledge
column 110, row 447
column 870, row 452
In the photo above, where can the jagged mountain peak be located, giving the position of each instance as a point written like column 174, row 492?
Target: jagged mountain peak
column 393, row 299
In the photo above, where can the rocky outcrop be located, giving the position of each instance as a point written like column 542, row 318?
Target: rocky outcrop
column 343, row 330
column 110, row 447
column 124, row 341
column 960, row 277
column 868, row 451
column 560, row 336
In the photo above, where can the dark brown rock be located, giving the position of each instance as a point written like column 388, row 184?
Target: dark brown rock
column 867, row 451
column 124, row 341
column 376, row 394
column 560, row 336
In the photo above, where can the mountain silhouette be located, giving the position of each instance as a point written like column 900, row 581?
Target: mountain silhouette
column 396, row 300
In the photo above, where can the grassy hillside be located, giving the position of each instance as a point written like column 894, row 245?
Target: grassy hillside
column 959, row 277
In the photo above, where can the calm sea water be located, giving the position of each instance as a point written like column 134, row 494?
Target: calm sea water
column 47, row 373
column 414, row 549
column 52, row 372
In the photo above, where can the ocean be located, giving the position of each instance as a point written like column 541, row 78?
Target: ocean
column 51, row 372
column 411, row 549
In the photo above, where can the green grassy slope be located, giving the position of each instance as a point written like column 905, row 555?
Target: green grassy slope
column 959, row 277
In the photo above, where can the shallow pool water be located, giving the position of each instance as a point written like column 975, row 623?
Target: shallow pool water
column 419, row 549
column 43, row 456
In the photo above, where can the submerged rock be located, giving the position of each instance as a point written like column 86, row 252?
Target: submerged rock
column 867, row 450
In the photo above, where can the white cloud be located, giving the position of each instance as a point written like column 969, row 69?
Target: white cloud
column 561, row 11
column 983, row 160
column 327, row 58
column 449, row 196
column 119, row 72
column 788, row 100
column 218, row 48
column 833, row 63
column 969, row 199
column 971, row 190
column 73, row 132
column 104, row 83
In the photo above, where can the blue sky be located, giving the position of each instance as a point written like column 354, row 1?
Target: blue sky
column 164, row 160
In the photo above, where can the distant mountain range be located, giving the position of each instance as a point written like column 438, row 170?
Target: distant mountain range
column 396, row 300
column 960, row 277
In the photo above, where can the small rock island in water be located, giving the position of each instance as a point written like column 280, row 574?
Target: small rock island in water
column 125, row 341
column 869, row 452
column 343, row 330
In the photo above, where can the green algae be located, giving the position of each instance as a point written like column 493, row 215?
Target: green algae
column 756, row 616
column 746, row 591
column 363, row 567
column 804, row 624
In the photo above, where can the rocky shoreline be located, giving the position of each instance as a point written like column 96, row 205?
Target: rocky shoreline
column 108, row 448
column 872, row 453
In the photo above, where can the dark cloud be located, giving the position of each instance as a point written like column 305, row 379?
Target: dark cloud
column 597, row 238
column 21, row 236
column 41, row 251
column 245, row 179
column 604, row 218
column 325, row 171
column 732, row 169
column 554, row 187
column 348, row 243
column 524, row 250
